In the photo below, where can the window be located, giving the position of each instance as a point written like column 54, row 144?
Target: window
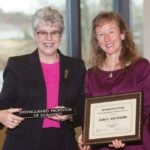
column 89, row 9
column 136, row 20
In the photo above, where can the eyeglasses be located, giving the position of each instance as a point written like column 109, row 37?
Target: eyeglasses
column 43, row 34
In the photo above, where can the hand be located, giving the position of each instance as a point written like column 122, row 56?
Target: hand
column 8, row 119
column 117, row 144
column 81, row 145
column 61, row 118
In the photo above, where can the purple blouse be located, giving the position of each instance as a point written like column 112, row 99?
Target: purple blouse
column 134, row 78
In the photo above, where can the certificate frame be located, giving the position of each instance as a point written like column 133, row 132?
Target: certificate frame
column 113, row 117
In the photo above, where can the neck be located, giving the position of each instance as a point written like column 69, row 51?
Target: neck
column 49, row 59
column 111, row 64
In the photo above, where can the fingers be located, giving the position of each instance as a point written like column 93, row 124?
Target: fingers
column 10, row 120
column 80, row 139
column 81, row 145
column 13, row 122
column 117, row 144
column 13, row 110
column 61, row 118
column 60, row 107
column 15, row 119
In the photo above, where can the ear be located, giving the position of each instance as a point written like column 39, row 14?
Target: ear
column 122, row 36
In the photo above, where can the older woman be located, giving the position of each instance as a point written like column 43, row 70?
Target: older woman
column 117, row 68
column 43, row 79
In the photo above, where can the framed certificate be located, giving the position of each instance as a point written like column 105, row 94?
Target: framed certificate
column 113, row 117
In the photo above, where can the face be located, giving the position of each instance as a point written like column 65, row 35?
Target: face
column 109, row 38
column 48, row 39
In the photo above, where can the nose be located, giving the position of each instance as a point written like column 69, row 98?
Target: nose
column 49, row 36
column 107, row 37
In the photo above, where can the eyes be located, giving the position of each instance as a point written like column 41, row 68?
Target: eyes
column 53, row 34
column 108, row 33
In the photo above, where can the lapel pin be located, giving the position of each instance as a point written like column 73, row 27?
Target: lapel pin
column 66, row 72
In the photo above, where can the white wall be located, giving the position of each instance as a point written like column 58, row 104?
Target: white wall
column 146, row 44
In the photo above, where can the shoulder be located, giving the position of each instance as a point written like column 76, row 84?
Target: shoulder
column 24, row 58
column 17, row 62
column 141, row 68
column 71, row 62
column 92, row 70
column 141, row 63
column 18, row 58
column 72, row 59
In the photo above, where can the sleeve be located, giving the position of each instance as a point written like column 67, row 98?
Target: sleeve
column 143, row 80
column 78, row 119
column 8, row 92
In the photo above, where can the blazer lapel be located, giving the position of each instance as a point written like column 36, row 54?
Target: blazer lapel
column 64, row 79
column 37, row 74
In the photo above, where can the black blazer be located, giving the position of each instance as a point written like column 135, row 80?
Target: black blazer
column 24, row 87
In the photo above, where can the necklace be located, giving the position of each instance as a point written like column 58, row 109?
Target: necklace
column 110, row 69
column 110, row 75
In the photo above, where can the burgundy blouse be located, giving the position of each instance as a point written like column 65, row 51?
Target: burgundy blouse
column 134, row 78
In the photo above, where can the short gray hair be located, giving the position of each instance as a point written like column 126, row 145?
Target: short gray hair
column 48, row 14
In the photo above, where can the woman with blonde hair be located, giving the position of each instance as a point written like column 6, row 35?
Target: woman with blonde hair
column 117, row 69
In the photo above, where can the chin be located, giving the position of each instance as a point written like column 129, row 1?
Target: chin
column 51, row 53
